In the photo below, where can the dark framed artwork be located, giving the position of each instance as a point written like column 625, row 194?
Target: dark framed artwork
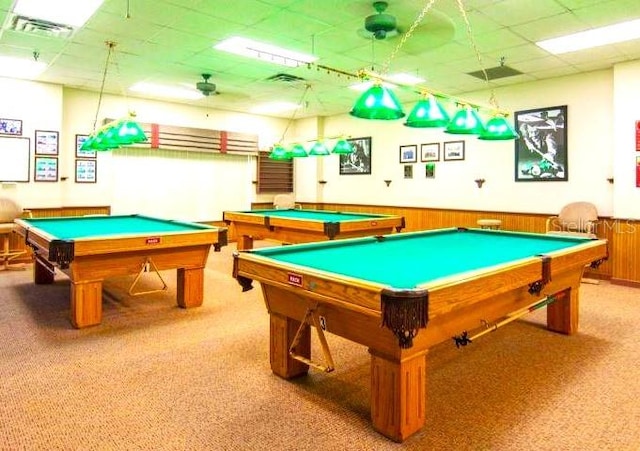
column 430, row 152
column 10, row 127
column 541, row 149
column 45, row 169
column 86, row 171
column 46, row 142
column 408, row 171
column 430, row 170
column 409, row 154
column 80, row 139
column 453, row 150
column 358, row 161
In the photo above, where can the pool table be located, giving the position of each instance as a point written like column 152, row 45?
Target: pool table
column 304, row 226
column 89, row 249
column 401, row 294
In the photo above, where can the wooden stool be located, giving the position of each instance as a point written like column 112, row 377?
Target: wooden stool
column 494, row 224
column 6, row 253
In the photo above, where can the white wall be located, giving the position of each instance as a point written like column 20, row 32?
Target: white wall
column 626, row 105
column 590, row 138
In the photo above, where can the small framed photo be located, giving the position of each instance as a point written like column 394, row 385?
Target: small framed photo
column 430, row 152
column 80, row 139
column 358, row 161
column 86, row 171
column 453, row 150
column 409, row 154
column 10, row 127
column 408, row 171
column 46, row 169
column 430, row 170
column 46, row 142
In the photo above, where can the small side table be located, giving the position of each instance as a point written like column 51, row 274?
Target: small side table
column 494, row 224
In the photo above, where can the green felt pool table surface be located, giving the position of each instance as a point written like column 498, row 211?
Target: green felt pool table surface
column 409, row 259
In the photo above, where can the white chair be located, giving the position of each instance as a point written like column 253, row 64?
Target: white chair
column 576, row 218
column 9, row 210
column 285, row 202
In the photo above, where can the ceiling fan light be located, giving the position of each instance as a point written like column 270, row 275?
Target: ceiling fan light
column 466, row 121
column 342, row 147
column 428, row 113
column 377, row 102
column 498, row 129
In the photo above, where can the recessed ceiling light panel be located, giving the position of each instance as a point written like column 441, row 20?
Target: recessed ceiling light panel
column 621, row 32
column 20, row 67
column 67, row 12
column 264, row 52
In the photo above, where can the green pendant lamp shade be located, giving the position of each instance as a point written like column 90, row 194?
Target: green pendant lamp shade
column 319, row 150
column 377, row 102
column 342, row 147
column 128, row 132
column 466, row 121
column 297, row 151
column 279, row 153
column 498, row 129
column 427, row 113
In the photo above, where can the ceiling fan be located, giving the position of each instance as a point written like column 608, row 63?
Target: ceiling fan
column 206, row 87
column 380, row 25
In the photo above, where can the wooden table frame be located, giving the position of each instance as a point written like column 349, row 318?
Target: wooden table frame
column 352, row 309
column 88, row 261
column 250, row 226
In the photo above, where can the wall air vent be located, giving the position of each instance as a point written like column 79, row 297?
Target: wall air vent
column 285, row 78
column 40, row 27
column 496, row 72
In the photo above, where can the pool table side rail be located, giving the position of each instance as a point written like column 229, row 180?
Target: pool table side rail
column 41, row 241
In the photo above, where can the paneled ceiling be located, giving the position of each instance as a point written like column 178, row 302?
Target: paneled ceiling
column 171, row 42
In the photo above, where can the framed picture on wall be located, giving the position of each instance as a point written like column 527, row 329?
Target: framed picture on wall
column 86, row 171
column 80, row 139
column 409, row 154
column 430, row 152
column 453, row 150
column 358, row 161
column 10, row 127
column 45, row 169
column 46, row 142
column 541, row 149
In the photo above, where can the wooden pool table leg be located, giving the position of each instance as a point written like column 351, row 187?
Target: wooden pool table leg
column 282, row 332
column 190, row 287
column 562, row 315
column 398, row 394
column 244, row 242
column 86, row 303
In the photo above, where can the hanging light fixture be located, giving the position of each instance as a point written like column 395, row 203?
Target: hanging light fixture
column 297, row 151
column 114, row 134
column 377, row 102
column 279, row 153
column 319, row 150
column 342, row 147
column 428, row 112
column 466, row 121
column 498, row 129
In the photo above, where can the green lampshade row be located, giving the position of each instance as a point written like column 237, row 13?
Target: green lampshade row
column 427, row 113
column 279, row 153
column 465, row 122
column 377, row 102
column 342, row 147
column 297, row 151
column 129, row 132
column 319, row 150
column 498, row 129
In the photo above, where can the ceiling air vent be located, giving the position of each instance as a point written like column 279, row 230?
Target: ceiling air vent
column 495, row 72
column 40, row 27
column 285, row 78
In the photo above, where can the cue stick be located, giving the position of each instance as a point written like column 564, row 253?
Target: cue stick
column 464, row 339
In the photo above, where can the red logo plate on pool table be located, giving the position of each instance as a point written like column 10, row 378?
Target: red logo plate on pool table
column 295, row 279
column 153, row 240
